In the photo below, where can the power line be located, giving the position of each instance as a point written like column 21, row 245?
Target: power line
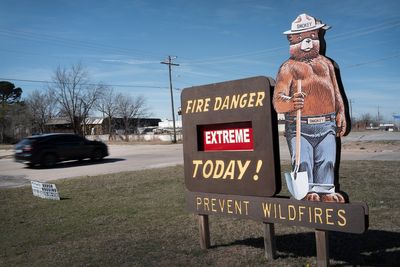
column 41, row 37
column 91, row 84
column 223, row 59
column 365, row 30
column 372, row 61
column 338, row 37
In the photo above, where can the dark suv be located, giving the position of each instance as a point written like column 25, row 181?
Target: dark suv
column 48, row 149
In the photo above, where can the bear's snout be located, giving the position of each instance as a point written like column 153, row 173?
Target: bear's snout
column 306, row 45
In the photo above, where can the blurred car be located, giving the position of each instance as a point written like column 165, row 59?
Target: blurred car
column 48, row 149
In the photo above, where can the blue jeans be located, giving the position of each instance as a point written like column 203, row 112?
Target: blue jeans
column 317, row 154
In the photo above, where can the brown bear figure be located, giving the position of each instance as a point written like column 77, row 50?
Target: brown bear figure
column 321, row 104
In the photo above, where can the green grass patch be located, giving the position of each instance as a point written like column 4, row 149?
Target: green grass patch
column 139, row 219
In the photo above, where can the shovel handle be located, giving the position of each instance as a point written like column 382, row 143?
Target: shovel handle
column 298, row 129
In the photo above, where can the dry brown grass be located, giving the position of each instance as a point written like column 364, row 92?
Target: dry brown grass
column 372, row 146
column 139, row 219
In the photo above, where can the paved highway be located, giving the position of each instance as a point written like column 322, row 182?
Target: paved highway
column 122, row 158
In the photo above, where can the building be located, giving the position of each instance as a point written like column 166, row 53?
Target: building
column 98, row 126
column 60, row 125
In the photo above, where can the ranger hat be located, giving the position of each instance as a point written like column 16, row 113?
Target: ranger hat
column 304, row 23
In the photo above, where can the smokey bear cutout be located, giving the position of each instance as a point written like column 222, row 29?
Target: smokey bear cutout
column 308, row 87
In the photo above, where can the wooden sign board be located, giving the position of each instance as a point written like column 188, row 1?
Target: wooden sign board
column 231, row 150
column 350, row 218
column 230, row 139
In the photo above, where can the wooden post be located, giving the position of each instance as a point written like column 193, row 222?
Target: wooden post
column 322, row 243
column 204, row 231
column 269, row 241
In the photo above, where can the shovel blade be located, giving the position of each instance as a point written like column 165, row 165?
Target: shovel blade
column 297, row 184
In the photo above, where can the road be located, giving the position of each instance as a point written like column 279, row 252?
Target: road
column 122, row 158
column 137, row 157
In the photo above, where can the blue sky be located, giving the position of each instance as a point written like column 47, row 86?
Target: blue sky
column 123, row 42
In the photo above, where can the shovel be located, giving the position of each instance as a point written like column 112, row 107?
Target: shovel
column 297, row 182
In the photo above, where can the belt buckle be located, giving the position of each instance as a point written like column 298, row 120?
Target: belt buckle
column 317, row 120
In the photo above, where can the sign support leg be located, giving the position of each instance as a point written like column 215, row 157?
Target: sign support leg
column 322, row 243
column 204, row 231
column 269, row 241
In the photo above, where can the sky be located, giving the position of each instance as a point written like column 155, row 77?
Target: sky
column 122, row 42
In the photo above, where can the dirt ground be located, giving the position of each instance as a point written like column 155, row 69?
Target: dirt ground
column 371, row 146
column 375, row 141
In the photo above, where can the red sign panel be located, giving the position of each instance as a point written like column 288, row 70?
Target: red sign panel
column 227, row 137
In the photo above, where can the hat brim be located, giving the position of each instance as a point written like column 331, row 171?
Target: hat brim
column 319, row 26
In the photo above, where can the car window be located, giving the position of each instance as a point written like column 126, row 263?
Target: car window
column 25, row 141
column 56, row 139
column 72, row 139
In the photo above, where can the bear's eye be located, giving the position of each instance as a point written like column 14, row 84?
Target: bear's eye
column 313, row 35
column 299, row 38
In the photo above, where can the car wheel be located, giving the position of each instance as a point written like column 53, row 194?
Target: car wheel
column 97, row 155
column 30, row 165
column 48, row 160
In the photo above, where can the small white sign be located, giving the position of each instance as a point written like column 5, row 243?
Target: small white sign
column 45, row 190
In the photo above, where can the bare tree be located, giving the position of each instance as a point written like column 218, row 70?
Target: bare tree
column 75, row 94
column 366, row 120
column 108, row 105
column 130, row 108
column 42, row 106
column 88, row 101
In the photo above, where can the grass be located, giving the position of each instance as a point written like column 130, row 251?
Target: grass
column 139, row 219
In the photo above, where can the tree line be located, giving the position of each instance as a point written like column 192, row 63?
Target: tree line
column 69, row 94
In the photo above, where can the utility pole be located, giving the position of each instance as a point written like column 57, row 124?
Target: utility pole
column 351, row 101
column 379, row 117
column 352, row 122
column 169, row 63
